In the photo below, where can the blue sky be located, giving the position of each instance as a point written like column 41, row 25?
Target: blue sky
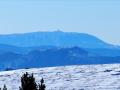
column 97, row 17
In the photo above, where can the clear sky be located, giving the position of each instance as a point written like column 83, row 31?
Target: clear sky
column 97, row 17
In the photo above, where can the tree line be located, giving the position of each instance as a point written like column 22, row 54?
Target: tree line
column 28, row 83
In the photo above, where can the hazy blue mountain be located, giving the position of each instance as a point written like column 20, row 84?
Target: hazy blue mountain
column 43, row 49
column 57, row 38
column 104, row 52
column 24, row 50
column 10, row 48
column 24, row 43
column 4, row 48
column 52, row 57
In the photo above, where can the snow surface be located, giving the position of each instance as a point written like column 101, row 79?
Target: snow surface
column 82, row 77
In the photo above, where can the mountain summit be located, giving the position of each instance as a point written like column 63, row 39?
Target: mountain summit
column 56, row 38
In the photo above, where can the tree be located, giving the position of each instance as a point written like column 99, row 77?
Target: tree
column 28, row 82
column 4, row 88
column 42, row 85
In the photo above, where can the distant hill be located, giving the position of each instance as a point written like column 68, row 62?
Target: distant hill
column 4, row 48
column 53, row 57
column 44, row 49
column 57, row 38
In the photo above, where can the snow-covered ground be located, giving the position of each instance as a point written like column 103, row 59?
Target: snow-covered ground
column 83, row 77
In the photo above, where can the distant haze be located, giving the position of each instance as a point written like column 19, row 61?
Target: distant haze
column 97, row 17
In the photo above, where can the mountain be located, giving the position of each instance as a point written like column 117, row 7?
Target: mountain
column 47, row 49
column 10, row 48
column 77, row 77
column 41, row 58
column 56, row 38
column 53, row 57
column 4, row 48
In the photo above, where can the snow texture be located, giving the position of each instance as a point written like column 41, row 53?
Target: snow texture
column 82, row 77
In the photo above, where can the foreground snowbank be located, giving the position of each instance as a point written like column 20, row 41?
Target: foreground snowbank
column 87, row 77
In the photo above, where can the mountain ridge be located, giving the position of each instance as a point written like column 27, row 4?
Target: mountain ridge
column 43, row 49
column 56, row 38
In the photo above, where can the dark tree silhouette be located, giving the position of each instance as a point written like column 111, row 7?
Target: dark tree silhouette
column 28, row 82
column 4, row 88
column 42, row 85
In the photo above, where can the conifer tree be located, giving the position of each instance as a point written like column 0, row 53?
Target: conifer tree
column 28, row 82
column 42, row 85
column 4, row 88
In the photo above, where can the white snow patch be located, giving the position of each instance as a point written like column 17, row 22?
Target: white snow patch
column 81, row 77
